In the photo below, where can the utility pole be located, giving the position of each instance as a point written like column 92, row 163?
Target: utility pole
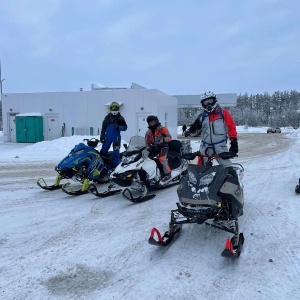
column 1, row 82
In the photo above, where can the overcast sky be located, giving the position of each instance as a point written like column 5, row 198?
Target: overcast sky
column 179, row 47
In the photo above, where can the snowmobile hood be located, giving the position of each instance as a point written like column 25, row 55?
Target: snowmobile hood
column 78, row 153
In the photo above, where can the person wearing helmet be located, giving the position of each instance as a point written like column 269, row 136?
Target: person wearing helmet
column 217, row 125
column 112, row 125
column 157, row 138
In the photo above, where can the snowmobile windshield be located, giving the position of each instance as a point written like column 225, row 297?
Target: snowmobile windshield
column 136, row 144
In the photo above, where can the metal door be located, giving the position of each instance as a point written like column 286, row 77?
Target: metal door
column 142, row 125
column 52, row 128
column 12, row 128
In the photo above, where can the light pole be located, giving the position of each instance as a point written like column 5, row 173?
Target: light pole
column 1, row 82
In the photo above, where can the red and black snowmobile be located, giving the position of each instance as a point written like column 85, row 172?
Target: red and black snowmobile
column 210, row 194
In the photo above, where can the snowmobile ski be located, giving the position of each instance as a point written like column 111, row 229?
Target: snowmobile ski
column 68, row 189
column 127, row 194
column 233, row 248
column 93, row 190
column 42, row 184
column 166, row 239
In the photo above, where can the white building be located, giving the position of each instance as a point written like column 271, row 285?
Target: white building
column 82, row 112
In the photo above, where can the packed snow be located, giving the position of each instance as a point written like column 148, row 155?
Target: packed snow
column 56, row 246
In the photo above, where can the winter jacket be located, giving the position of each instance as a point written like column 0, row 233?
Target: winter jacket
column 159, row 137
column 111, row 127
column 216, row 126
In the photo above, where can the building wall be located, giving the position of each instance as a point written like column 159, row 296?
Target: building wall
column 87, row 109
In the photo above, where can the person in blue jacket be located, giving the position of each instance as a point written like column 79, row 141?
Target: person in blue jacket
column 112, row 124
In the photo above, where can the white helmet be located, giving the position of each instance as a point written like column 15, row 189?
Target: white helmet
column 209, row 101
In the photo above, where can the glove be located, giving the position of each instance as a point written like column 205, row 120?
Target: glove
column 234, row 147
column 196, row 126
column 116, row 124
column 153, row 151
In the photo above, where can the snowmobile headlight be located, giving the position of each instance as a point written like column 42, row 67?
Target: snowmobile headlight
column 129, row 159
column 205, row 180
column 192, row 178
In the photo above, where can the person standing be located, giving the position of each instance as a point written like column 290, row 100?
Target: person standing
column 217, row 126
column 112, row 125
column 157, row 138
column 183, row 129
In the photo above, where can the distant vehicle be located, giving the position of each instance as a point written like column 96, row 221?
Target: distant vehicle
column 274, row 130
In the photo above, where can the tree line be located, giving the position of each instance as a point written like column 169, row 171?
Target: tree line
column 279, row 109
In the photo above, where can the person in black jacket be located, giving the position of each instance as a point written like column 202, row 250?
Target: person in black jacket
column 112, row 124
column 183, row 129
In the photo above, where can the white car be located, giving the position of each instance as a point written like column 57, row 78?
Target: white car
column 274, row 130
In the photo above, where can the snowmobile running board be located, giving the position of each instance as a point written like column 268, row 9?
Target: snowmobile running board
column 127, row 194
column 231, row 250
column 93, row 190
column 42, row 184
column 164, row 240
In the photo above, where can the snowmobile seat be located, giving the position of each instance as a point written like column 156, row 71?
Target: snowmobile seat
column 174, row 159
column 175, row 146
column 174, row 154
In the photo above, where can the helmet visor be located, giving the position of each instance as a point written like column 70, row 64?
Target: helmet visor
column 208, row 101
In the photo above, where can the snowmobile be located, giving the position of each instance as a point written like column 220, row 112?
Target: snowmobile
column 82, row 164
column 210, row 194
column 140, row 172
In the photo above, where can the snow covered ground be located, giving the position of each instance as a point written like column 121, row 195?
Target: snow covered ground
column 55, row 246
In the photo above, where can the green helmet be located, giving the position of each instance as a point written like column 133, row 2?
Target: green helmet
column 114, row 108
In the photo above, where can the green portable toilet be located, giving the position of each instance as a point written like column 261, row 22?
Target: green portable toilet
column 29, row 128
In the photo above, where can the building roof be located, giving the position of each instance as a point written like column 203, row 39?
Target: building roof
column 226, row 100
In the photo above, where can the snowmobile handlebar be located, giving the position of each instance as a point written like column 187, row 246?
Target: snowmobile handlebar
column 223, row 155
column 93, row 142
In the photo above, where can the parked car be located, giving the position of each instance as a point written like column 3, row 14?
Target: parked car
column 274, row 130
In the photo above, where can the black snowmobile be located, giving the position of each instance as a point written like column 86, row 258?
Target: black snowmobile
column 210, row 194
column 83, row 164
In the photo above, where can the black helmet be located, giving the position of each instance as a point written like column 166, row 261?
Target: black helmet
column 150, row 119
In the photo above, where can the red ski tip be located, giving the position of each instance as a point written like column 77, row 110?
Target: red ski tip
column 153, row 231
column 228, row 245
